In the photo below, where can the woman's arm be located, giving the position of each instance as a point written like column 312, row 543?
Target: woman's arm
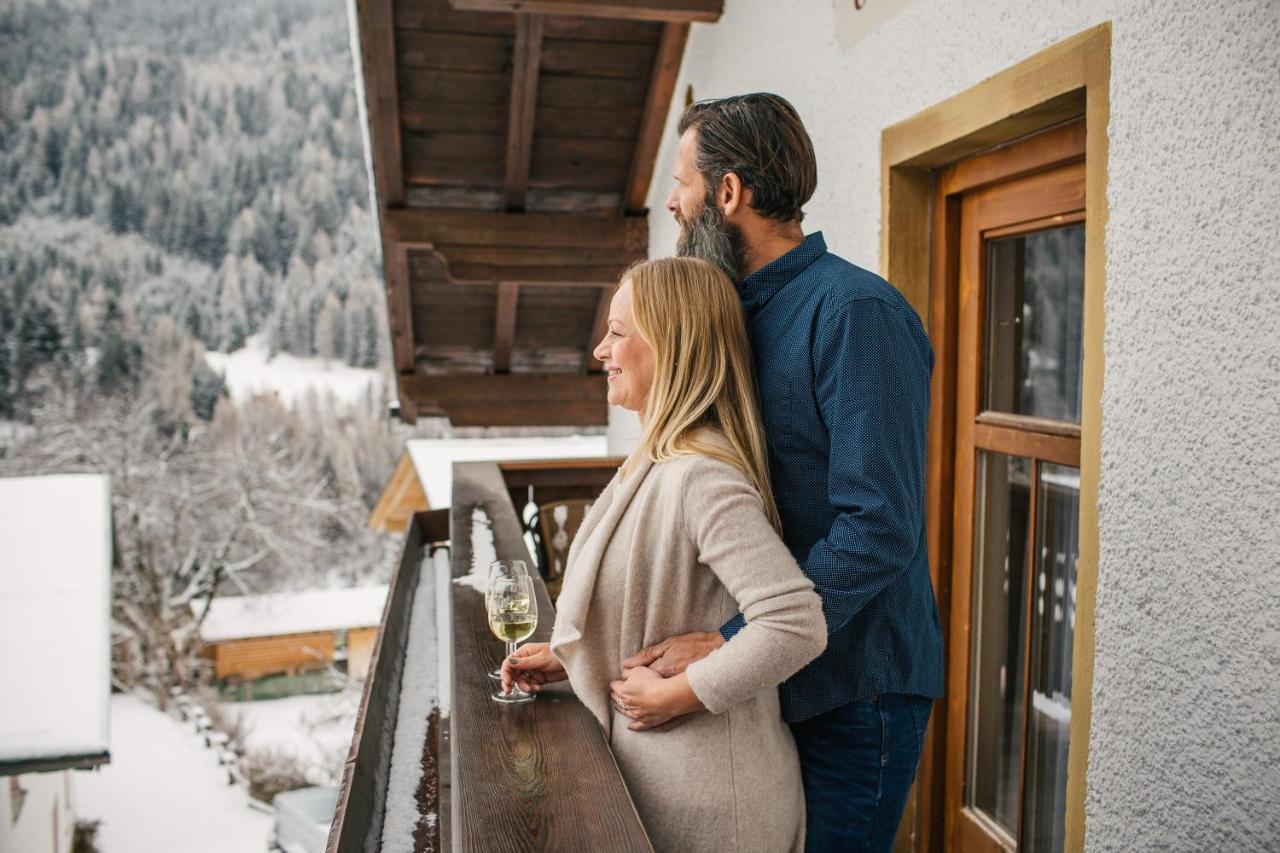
column 785, row 628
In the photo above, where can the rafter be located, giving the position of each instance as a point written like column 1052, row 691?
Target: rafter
column 513, row 399
column 382, row 104
column 524, row 101
column 504, row 325
column 416, row 228
column 662, row 82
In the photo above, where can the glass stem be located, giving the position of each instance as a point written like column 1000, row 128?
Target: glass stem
column 511, row 648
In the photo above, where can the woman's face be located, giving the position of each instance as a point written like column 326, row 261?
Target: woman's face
column 628, row 359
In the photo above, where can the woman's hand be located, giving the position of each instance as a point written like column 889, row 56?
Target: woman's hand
column 530, row 667
column 651, row 700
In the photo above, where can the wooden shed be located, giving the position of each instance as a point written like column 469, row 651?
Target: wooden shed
column 250, row 637
column 512, row 145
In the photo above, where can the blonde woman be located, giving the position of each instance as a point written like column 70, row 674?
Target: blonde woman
column 684, row 538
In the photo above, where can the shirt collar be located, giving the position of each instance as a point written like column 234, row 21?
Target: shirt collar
column 759, row 287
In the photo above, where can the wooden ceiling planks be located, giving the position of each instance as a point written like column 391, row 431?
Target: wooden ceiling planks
column 688, row 11
column 513, row 145
column 511, row 399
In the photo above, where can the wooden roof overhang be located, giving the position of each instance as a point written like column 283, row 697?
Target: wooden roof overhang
column 512, row 146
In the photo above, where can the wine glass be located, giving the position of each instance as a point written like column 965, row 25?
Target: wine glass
column 513, row 614
column 502, row 568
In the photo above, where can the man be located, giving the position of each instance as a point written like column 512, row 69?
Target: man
column 843, row 368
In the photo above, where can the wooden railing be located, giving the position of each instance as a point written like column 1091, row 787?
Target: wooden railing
column 538, row 776
column 359, row 815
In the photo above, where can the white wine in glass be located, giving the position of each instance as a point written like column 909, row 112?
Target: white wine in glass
column 497, row 569
column 513, row 615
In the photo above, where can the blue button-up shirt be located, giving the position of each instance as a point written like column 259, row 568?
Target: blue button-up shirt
column 843, row 368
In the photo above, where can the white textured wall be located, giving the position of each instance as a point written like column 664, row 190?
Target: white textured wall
column 1185, row 741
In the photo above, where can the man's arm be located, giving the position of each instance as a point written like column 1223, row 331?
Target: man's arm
column 872, row 369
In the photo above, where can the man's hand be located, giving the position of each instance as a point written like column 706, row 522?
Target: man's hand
column 673, row 655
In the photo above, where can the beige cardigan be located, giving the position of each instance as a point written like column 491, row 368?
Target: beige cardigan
column 680, row 546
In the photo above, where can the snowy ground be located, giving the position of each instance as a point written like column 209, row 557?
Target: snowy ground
column 249, row 371
column 164, row 791
column 316, row 729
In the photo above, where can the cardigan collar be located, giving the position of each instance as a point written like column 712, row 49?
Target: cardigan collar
column 587, row 553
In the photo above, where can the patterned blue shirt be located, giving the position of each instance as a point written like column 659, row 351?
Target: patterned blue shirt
column 843, row 368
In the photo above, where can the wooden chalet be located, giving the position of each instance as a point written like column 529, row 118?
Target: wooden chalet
column 512, row 144
column 402, row 496
column 245, row 638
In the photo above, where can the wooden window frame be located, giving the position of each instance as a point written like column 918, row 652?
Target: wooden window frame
column 1066, row 81
column 1012, row 199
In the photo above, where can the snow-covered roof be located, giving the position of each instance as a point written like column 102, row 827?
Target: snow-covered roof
column 55, row 616
column 281, row 613
column 433, row 458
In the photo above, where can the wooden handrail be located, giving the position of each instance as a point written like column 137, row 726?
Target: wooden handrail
column 530, row 777
column 538, row 776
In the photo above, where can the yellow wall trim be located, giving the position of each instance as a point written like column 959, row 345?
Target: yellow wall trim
column 1069, row 79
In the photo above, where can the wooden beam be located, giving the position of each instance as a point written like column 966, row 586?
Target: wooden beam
column 662, row 82
column 511, row 399
column 599, row 326
column 524, row 102
column 376, row 22
column 399, row 305
column 416, row 228
column 705, row 11
column 504, row 325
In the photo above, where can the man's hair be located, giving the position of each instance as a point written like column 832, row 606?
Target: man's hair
column 760, row 138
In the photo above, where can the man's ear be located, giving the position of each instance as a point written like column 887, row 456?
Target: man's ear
column 733, row 195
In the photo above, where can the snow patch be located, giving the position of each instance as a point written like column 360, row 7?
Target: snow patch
column 251, row 371
column 483, row 552
column 418, row 695
column 164, row 791
column 317, row 730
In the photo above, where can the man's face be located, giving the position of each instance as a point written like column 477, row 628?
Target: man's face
column 690, row 190
column 704, row 233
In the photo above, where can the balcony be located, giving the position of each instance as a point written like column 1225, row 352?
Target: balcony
column 434, row 763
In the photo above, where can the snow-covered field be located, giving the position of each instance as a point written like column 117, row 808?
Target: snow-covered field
column 164, row 791
column 316, row 729
column 250, row 371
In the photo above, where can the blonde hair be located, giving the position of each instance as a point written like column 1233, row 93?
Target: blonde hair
column 690, row 315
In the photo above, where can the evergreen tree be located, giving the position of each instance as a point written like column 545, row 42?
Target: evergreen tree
column 207, row 387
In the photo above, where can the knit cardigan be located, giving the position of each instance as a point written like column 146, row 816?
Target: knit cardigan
column 681, row 546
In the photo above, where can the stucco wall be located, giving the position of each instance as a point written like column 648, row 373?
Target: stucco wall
column 1185, row 740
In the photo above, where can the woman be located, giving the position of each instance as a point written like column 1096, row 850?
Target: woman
column 684, row 538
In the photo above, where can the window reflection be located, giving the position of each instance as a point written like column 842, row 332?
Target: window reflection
column 1035, row 313
column 995, row 737
column 1052, row 639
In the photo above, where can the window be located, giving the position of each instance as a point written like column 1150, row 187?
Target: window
column 1019, row 296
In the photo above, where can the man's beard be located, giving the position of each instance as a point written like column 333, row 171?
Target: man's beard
column 709, row 237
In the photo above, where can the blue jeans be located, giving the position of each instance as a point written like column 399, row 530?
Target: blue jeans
column 858, row 762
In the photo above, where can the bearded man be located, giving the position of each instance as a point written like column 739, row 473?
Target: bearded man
column 843, row 368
